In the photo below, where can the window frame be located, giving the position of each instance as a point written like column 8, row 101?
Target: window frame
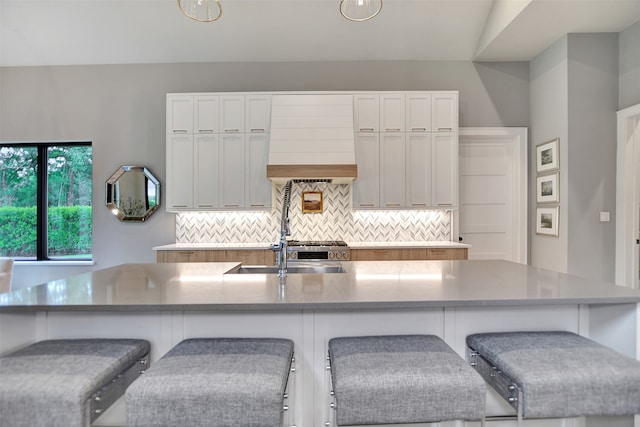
column 42, row 207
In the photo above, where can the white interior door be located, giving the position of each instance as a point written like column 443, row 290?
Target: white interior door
column 493, row 193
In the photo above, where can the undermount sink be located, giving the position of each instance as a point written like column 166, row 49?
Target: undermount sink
column 297, row 269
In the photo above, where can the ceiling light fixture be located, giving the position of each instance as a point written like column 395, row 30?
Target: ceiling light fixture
column 360, row 10
column 201, row 10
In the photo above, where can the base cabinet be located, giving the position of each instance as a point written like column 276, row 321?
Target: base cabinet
column 247, row 257
column 413, row 254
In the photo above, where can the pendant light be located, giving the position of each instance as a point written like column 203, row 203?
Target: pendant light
column 360, row 10
column 201, row 10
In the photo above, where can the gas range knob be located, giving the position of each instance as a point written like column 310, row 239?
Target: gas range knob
column 293, row 255
column 345, row 255
column 332, row 255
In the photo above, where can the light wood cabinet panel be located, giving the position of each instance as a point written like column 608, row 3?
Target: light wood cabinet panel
column 413, row 254
column 447, row 254
column 247, row 257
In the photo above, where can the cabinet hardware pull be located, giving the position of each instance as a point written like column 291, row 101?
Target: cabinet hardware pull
column 232, row 130
column 179, row 206
column 231, row 206
column 257, row 205
column 366, row 205
column 179, row 131
column 444, row 204
column 444, row 129
column 205, row 206
column 257, row 130
column 419, row 129
column 393, row 130
column 366, row 129
column 393, row 205
column 418, row 204
column 205, row 130
column 185, row 252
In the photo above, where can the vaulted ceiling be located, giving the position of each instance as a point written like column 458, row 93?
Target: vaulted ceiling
column 66, row 32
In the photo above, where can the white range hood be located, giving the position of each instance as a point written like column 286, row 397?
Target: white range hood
column 312, row 138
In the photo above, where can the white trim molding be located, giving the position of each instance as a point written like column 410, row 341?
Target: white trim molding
column 628, row 198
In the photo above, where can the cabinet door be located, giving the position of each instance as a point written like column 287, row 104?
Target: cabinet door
column 366, row 112
column 232, row 170
column 392, row 112
column 179, row 114
column 418, row 112
column 444, row 109
column 257, row 192
column 205, row 114
column 179, row 172
column 392, row 170
column 232, row 113
column 206, row 186
column 419, row 170
column 445, row 169
column 447, row 254
column 257, row 113
column 366, row 187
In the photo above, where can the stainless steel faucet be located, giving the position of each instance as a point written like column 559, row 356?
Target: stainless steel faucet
column 285, row 230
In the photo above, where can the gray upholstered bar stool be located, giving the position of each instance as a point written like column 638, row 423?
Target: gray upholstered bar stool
column 401, row 379
column 214, row 382
column 556, row 374
column 67, row 383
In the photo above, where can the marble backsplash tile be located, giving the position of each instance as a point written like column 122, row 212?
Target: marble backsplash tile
column 337, row 222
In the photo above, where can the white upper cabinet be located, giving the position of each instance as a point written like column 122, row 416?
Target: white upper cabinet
column 445, row 112
column 179, row 172
column 205, row 117
column 366, row 188
column 206, row 173
column 179, row 113
column 232, row 170
column 392, row 170
column 418, row 113
column 366, row 112
column 418, row 180
column 257, row 189
column 232, row 113
column 392, row 112
column 257, row 113
column 445, row 169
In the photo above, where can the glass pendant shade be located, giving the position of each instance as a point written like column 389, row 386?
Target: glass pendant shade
column 201, row 10
column 360, row 10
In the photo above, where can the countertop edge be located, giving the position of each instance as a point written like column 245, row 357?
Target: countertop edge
column 436, row 244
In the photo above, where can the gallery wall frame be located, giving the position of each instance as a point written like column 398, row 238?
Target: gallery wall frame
column 547, row 188
column 547, row 156
column 547, row 220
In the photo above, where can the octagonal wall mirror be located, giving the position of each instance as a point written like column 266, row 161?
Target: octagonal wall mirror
column 133, row 193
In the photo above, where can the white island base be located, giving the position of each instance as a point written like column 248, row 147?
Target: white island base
column 611, row 319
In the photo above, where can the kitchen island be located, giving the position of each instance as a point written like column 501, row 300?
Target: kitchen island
column 166, row 303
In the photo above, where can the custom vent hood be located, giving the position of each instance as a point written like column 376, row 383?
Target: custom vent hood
column 312, row 138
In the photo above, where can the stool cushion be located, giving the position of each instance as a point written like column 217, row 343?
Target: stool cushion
column 402, row 379
column 49, row 383
column 562, row 374
column 214, row 382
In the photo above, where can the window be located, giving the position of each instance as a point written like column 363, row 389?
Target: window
column 45, row 201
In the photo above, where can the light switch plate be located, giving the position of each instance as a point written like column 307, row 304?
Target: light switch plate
column 605, row 216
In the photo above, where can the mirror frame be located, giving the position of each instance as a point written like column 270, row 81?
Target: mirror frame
column 110, row 187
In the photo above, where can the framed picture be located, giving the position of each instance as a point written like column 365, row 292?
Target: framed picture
column 547, row 221
column 311, row 201
column 547, row 190
column 547, row 156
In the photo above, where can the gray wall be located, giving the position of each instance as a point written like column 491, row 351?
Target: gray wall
column 549, row 120
column 121, row 109
column 574, row 97
column 629, row 85
column 591, row 162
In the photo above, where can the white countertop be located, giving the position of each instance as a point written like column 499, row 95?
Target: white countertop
column 261, row 245
column 364, row 285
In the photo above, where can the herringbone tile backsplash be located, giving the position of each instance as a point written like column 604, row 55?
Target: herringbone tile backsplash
column 336, row 222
